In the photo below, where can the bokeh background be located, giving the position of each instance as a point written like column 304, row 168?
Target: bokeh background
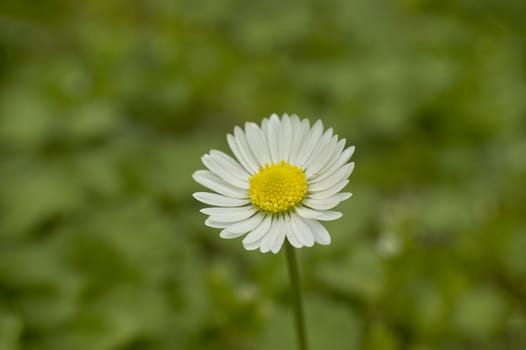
column 107, row 106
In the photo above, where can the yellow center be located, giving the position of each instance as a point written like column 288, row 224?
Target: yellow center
column 278, row 187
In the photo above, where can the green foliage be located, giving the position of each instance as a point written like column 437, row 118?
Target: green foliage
column 107, row 106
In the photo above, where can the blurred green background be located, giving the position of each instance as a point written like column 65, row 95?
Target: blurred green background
column 107, row 106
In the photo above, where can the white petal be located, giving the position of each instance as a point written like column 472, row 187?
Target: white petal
column 323, row 156
column 326, row 203
column 273, row 137
column 310, row 142
column 285, row 138
column 257, row 233
column 291, row 234
column 215, row 183
column 219, row 200
column 229, row 235
column 293, row 240
column 302, row 231
column 338, row 176
column 249, row 165
column 300, row 132
column 329, row 191
column 252, row 245
column 231, row 140
column 230, row 214
column 216, row 224
column 257, row 143
column 319, row 156
column 321, row 235
column 268, row 238
column 264, row 127
column 244, row 148
column 308, row 213
column 342, row 159
column 329, row 215
column 332, row 157
column 246, row 225
column 226, row 173
column 295, row 120
column 231, row 162
column 278, row 240
column 351, row 150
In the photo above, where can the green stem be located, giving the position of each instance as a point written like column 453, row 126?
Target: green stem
column 296, row 296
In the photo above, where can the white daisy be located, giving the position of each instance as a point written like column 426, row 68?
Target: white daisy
column 286, row 177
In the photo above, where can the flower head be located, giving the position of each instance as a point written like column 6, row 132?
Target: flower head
column 284, row 179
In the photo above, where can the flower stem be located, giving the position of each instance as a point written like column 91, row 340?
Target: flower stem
column 296, row 296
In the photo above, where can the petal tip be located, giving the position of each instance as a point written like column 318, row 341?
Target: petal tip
column 325, row 242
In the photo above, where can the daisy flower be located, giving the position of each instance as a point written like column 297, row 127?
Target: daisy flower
column 286, row 176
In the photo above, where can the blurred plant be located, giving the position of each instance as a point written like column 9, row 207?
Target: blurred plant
column 106, row 108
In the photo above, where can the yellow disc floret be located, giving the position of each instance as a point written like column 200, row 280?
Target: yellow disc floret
column 277, row 187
